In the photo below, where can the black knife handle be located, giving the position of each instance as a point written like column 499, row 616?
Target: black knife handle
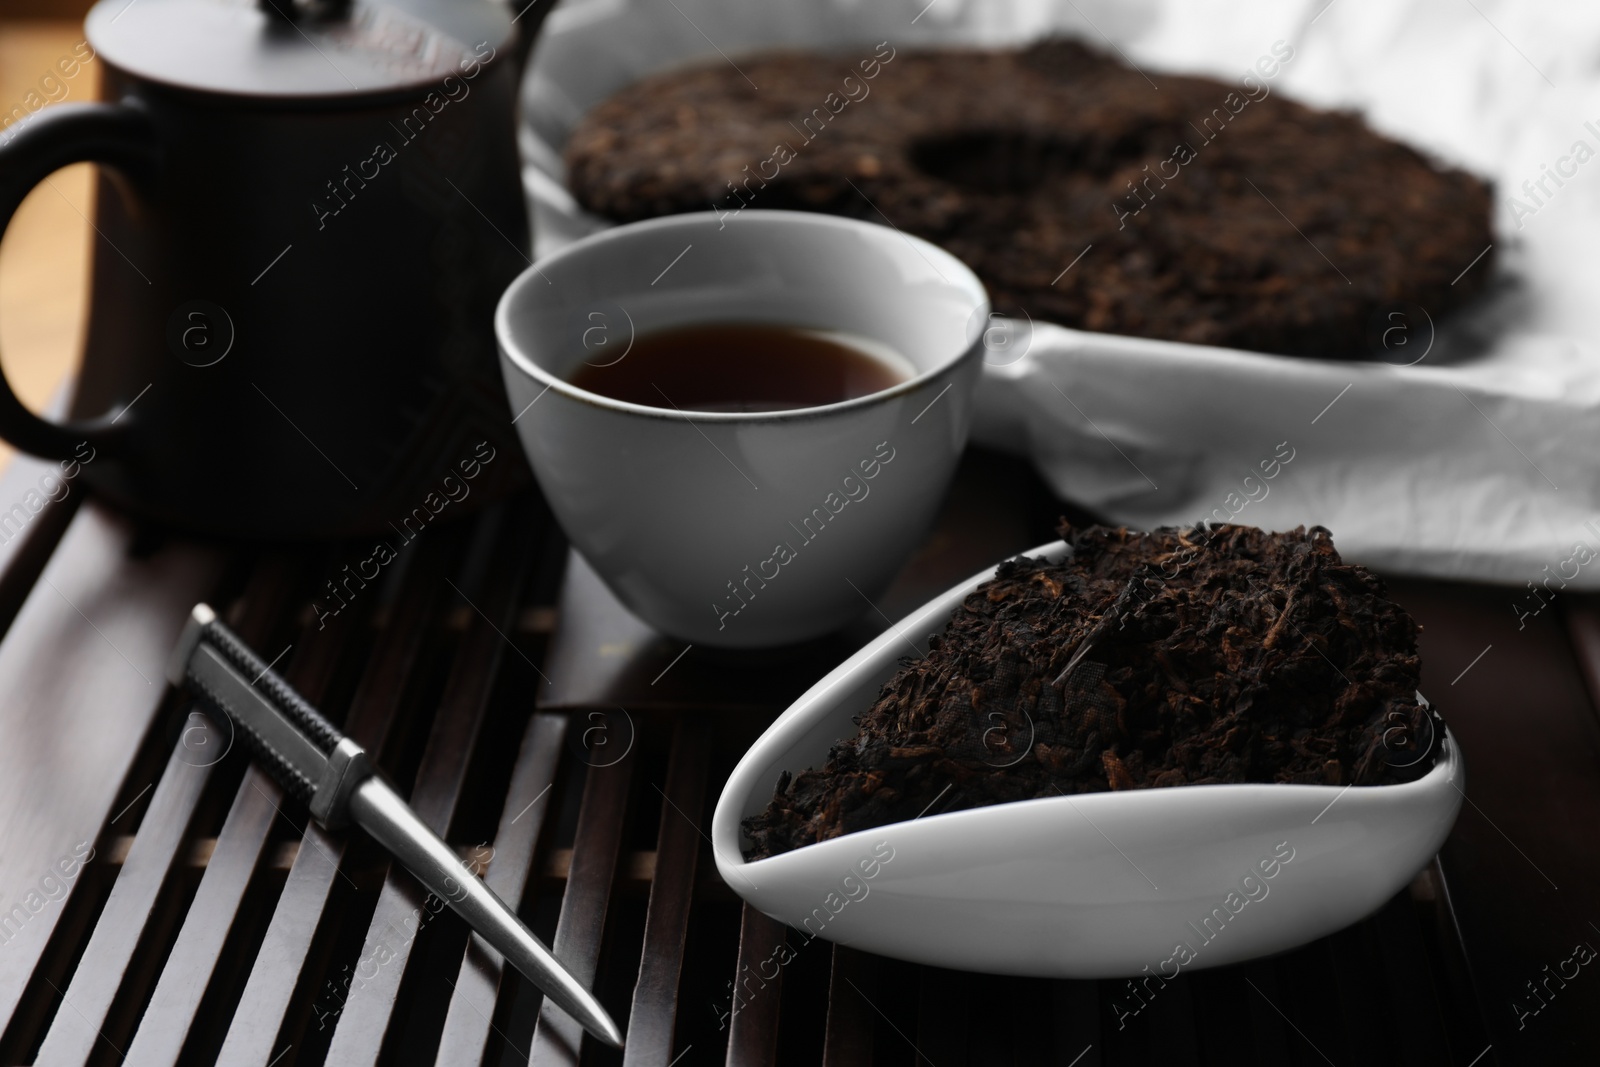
column 278, row 765
column 295, row 708
column 305, row 753
column 213, row 632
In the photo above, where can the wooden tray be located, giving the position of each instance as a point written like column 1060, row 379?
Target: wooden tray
column 546, row 732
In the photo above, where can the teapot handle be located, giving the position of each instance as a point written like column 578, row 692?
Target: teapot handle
column 118, row 135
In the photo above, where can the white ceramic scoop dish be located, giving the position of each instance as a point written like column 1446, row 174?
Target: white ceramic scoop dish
column 1101, row 885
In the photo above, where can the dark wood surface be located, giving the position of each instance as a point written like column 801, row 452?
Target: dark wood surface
column 554, row 738
column 477, row 989
column 557, row 1039
column 269, row 1003
column 81, row 678
column 652, row 1018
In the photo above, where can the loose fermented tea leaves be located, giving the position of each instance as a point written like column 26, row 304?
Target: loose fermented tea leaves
column 1187, row 656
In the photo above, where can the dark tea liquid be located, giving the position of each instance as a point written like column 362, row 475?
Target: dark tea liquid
column 745, row 367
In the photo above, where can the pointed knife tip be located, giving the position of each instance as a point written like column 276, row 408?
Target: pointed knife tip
column 601, row 1026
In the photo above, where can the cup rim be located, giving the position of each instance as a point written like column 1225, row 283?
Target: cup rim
column 964, row 276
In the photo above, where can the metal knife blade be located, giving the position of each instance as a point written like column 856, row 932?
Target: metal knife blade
column 331, row 774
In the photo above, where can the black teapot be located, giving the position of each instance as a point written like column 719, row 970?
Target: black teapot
column 305, row 216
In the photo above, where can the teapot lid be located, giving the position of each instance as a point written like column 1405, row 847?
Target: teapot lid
column 283, row 50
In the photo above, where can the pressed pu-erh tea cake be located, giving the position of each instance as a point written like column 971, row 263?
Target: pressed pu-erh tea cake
column 1020, row 161
column 1194, row 656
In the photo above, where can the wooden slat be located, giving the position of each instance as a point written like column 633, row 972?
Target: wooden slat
column 281, row 855
column 1582, row 617
column 164, row 1025
column 1167, row 1027
column 1404, row 969
column 87, row 1000
column 557, row 1038
column 1255, row 987
column 1362, row 1007
column 1465, row 1027
column 74, row 709
column 229, row 868
column 666, row 928
column 537, row 620
column 635, row 869
column 477, row 987
column 942, row 1001
column 265, row 1002
column 1075, row 1019
column 24, row 553
column 1233, row 1023
column 1035, row 1038
column 1311, row 999
column 440, row 782
column 852, row 981
column 753, row 1029
column 992, row 1043
column 1523, row 892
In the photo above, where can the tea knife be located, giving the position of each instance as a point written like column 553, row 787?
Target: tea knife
column 331, row 774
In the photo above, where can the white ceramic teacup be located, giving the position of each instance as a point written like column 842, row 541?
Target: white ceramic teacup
column 741, row 529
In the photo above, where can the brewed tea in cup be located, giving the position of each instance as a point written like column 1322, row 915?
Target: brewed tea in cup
column 823, row 371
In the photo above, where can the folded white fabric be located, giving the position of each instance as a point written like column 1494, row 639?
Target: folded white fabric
column 1474, row 472
column 1474, row 461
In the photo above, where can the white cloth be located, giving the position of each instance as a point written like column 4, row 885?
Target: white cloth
column 1476, row 462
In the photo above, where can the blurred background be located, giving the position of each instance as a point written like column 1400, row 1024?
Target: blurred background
column 44, row 257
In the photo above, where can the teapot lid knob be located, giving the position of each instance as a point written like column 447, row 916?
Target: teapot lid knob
column 332, row 48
